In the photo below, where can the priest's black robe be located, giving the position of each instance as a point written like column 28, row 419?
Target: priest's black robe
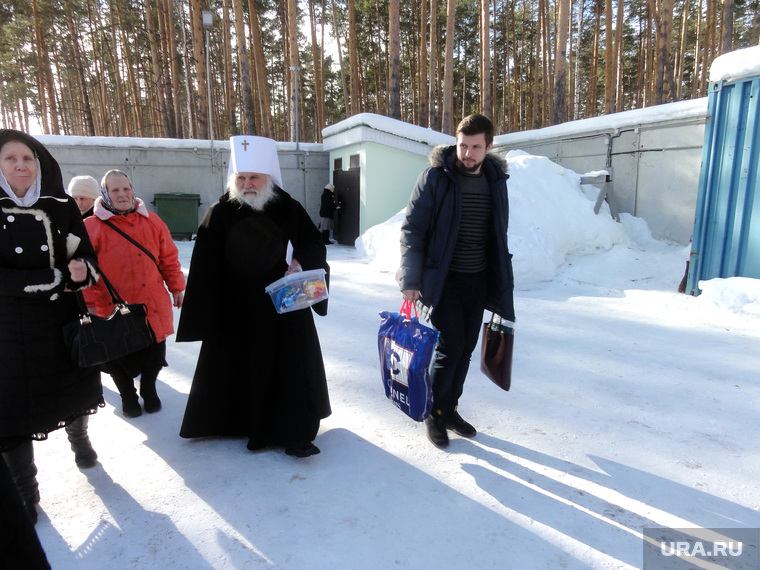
column 260, row 374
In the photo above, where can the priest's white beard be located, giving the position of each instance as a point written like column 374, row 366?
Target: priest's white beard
column 256, row 201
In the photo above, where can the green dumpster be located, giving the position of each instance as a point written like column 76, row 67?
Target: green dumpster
column 179, row 211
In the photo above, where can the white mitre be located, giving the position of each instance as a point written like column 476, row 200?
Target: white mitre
column 255, row 154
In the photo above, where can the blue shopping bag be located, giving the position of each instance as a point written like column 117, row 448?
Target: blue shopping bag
column 406, row 349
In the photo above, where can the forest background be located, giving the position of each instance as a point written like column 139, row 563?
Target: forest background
column 141, row 68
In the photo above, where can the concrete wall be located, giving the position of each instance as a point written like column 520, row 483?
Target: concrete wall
column 653, row 156
column 169, row 165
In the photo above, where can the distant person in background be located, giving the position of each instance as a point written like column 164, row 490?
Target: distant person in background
column 85, row 190
column 45, row 254
column 260, row 374
column 136, row 253
column 327, row 208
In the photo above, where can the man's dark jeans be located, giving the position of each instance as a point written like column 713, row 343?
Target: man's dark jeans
column 458, row 317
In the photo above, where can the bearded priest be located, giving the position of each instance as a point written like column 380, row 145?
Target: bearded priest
column 259, row 374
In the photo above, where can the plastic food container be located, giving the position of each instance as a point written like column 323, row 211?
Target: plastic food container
column 298, row 290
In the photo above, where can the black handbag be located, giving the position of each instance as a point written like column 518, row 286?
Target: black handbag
column 496, row 352
column 94, row 340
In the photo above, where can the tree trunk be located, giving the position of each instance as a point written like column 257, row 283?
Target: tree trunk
column 159, row 76
column 591, row 96
column 707, row 48
column 663, row 18
column 169, row 54
column 265, row 125
column 48, row 81
column 576, row 78
column 346, row 101
column 294, row 62
column 394, row 24
column 241, row 42
column 424, row 119
column 191, row 130
column 516, row 112
column 137, row 124
column 122, row 124
column 230, row 99
column 619, row 57
column 609, row 60
column 447, row 124
column 433, row 101
column 319, row 86
column 547, row 78
column 678, row 75
column 727, row 41
column 486, row 102
column 353, row 55
column 199, row 54
column 560, row 64
column 695, row 83
column 86, row 109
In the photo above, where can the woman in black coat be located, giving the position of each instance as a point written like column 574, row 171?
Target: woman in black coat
column 328, row 205
column 45, row 254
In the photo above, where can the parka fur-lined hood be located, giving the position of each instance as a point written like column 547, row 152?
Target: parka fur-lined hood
column 439, row 157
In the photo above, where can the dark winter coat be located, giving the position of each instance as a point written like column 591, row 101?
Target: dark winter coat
column 260, row 374
column 429, row 233
column 328, row 204
column 41, row 389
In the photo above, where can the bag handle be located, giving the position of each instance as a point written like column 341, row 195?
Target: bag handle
column 129, row 238
column 502, row 325
column 116, row 299
column 406, row 310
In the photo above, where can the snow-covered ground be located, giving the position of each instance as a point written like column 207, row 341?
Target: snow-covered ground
column 632, row 406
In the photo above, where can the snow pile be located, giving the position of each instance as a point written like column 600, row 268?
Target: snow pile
column 736, row 65
column 391, row 126
column 377, row 243
column 740, row 295
column 550, row 219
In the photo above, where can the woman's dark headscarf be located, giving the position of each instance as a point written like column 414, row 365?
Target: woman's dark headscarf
column 52, row 180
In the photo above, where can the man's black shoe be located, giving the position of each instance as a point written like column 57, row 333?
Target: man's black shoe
column 436, row 431
column 455, row 423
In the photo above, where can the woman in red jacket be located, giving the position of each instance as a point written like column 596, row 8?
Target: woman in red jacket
column 139, row 273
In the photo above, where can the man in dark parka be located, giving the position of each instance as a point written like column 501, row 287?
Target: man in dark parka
column 455, row 260
column 260, row 374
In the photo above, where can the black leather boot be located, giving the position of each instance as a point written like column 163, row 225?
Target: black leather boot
column 130, row 405
column 148, row 391
column 436, row 429
column 20, row 462
column 84, row 455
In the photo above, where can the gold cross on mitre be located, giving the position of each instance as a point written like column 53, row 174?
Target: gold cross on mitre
column 245, row 144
